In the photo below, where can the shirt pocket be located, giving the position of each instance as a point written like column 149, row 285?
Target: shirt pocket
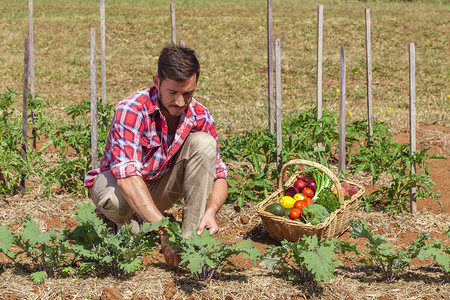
column 150, row 141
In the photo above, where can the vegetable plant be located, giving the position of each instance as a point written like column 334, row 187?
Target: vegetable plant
column 381, row 253
column 205, row 255
column 40, row 253
column 305, row 260
column 252, row 179
column 100, row 248
column 438, row 252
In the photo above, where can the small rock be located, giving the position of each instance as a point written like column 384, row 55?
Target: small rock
column 109, row 293
column 64, row 207
column 244, row 220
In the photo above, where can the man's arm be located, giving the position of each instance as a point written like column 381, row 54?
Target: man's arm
column 135, row 191
column 216, row 199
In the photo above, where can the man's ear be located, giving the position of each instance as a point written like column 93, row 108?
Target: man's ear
column 156, row 81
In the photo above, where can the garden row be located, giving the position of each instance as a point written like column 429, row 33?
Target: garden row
column 251, row 156
column 94, row 248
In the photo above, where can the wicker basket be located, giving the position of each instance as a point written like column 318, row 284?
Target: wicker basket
column 281, row 228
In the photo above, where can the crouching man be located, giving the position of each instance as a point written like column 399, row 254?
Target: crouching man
column 162, row 146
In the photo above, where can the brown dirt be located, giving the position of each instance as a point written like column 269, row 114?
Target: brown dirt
column 157, row 280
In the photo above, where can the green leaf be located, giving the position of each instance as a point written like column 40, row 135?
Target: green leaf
column 39, row 277
column 6, row 238
column 32, row 233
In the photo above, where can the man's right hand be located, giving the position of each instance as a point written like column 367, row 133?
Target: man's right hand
column 170, row 255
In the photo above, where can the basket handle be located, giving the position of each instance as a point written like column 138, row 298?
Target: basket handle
column 334, row 179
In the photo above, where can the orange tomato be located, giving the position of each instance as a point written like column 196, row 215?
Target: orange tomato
column 308, row 201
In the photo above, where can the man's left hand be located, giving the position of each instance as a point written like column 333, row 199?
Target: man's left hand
column 208, row 221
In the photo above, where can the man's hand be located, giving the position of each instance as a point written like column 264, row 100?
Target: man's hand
column 170, row 255
column 216, row 200
column 208, row 221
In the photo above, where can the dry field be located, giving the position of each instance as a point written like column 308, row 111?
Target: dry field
column 230, row 39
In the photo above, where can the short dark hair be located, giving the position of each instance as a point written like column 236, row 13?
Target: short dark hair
column 177, row 63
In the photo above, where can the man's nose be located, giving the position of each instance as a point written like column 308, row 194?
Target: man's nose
column 179, row 101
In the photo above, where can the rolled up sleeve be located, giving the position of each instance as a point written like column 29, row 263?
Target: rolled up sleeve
column 126, row 150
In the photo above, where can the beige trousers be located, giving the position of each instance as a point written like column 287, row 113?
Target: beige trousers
column 191, row 175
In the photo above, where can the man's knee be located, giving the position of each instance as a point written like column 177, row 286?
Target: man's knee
column 108, row 198
column 203, row 142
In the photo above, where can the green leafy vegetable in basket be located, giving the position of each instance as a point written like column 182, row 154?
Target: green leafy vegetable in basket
column 328, row 200
column 315, row 214
column 322, row 180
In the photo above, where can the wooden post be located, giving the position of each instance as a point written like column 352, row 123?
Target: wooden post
column 103, row 49
column 93, row 101
column 319, row 60
column 23, row 150
column 31, row 48
column 412, row 120
column 172, row 18
column 270, row 66
column 369, row 73
column 342, row 67
column 32, row 78
column 278, row 101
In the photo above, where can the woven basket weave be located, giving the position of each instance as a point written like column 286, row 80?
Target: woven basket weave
column 281, row 228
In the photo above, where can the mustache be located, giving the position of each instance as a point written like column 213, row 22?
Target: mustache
column 176, row 106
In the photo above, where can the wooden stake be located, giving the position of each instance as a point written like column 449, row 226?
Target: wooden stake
column 103, row 49
column 23, row 150
column 270, row 66
column 412, row 120
column 342, row 68
column 32, row 78
column 369, row 73
column 278, row 101
column 319, row 60
column 93, row 102
column 172, row 18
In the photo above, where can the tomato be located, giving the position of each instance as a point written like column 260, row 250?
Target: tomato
column 309, row 193
column 300, row 204
column 307, row 201
column 295, row 213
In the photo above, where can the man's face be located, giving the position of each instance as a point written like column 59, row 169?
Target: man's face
column 175, row 96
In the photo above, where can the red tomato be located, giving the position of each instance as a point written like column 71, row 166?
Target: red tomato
column 307, row 201
column 308, row 192
column 295, row 213
column 300, row 203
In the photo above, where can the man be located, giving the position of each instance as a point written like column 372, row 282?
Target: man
column 162, row 146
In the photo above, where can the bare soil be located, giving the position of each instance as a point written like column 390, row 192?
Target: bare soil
column 157, row 280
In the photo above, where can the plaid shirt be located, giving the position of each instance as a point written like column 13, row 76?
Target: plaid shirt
column 137, row 140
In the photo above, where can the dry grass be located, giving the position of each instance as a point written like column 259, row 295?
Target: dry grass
column 230, row 39
column 159, row 281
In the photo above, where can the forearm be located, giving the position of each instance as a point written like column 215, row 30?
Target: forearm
column 217, row 196
column 136, row 193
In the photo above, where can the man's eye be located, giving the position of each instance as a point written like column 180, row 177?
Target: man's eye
column 173, row 92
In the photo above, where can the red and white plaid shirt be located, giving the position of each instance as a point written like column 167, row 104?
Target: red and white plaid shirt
column 137, row 140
